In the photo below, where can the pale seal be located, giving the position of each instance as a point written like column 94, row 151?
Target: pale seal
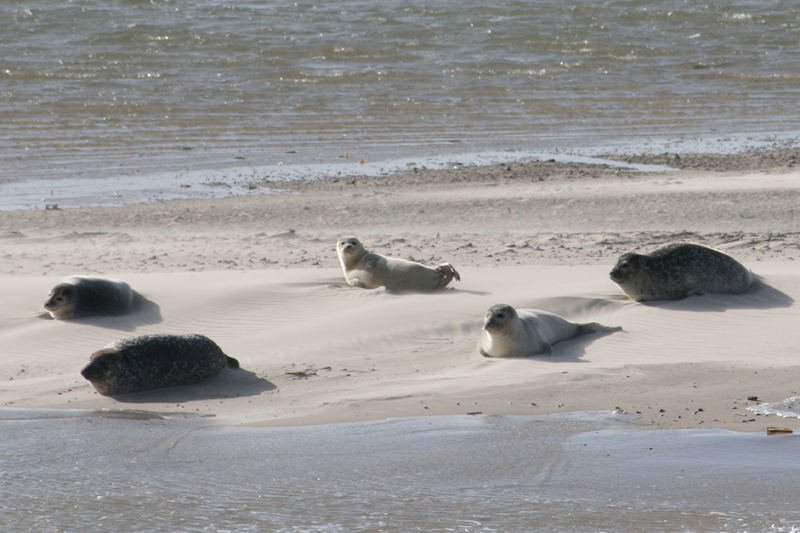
column 509, row 332
column 154, row 361
column 370, row 270
column 81, row 296
column 679, row 270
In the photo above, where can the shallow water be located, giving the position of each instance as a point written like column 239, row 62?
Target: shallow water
column 788, row 408
column 104, row 471
column 151, row 90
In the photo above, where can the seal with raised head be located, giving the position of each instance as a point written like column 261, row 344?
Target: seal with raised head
column 509, row 332
column 81, row 296
column 370, row 270
column 679, row 270
column 154, row 361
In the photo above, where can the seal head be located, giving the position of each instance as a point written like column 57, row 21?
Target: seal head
column 350, row 251
column 61, row 302
column 498, row 318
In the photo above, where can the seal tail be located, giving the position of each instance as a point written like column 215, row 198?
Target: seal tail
column 231, row 362
column 594, row 327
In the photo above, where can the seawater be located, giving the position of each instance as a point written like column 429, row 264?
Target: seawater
column 789, row 408
column 98, row 89
column 132, row 471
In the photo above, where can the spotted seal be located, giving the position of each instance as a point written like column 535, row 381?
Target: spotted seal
column 679, row 270
column 154, row 361
column 509, row 332
column 370, row 270
column 82, row 296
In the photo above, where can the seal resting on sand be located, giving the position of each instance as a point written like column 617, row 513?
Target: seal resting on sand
column 679, row 270
column 509, row 332
column 370, row 270
column 80, row 296
column 155, row 361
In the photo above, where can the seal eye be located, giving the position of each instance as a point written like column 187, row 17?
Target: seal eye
column 500, row 315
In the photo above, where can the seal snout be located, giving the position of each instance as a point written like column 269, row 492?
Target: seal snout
column 56, row 298
column 491, row 323
column 349, row 245
column 497, row 317
column 94, row 371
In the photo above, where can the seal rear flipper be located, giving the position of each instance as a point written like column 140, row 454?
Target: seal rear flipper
column 231, row 362
column 447, row 273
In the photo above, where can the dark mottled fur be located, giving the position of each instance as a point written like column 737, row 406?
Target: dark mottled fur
column 82, row 296
column 155, row 361
column 679, row 270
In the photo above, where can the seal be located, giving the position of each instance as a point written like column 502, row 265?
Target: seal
column 154, row 361
column 509, row 332
column 679, row 270
column 81, row 296
column 370, row 270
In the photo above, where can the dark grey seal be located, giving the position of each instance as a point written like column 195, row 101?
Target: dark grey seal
column 679, row 270
column 155, row 361
column 82, row 296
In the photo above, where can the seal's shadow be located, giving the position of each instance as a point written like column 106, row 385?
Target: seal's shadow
column 147, row 313
column 573, row 350
column 588, row 307
column 230, row 383
column 382, row 290
column 760, row 295
column 568, row 351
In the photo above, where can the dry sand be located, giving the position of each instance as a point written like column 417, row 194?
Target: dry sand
column 259, row 275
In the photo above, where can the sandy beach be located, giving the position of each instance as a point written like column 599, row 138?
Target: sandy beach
column 259, row 275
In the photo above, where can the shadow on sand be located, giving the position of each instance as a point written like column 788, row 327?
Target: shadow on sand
column 230, row 383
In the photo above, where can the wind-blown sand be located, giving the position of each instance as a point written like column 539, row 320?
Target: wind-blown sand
column 259, row 275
